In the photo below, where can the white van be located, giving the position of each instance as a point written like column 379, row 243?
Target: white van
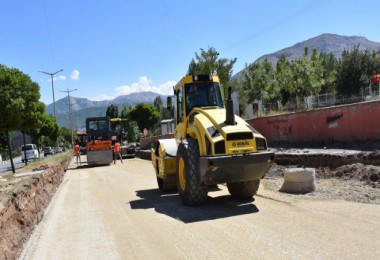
column 31, row 152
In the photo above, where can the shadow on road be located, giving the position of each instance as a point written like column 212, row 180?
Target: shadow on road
column 84, row 165
column 171, row 205
column 77, row 167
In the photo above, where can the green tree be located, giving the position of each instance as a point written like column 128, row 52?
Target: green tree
column 376, row 58
column 329, row 72
column 124, row 111
column 354, row 71
column 131, row 126
column 3, row 146
column 165, row 113
column 158, row 104
column 307, row 76
column 267, row 81
column 259, row 83
column 207, row 62
column 145, row 115
column 284, row 78
column 13, row 85
column 65, row 133
column 245, row 87
column 316, row 74
column 32, row 120
column 249, row 90
column 50, row 129
column 112, row 111
column 48, row 133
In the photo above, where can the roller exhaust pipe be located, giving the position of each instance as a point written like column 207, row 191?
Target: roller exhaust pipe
column 230, row 115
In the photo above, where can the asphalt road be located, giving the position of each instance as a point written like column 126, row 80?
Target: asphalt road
column 117, row 212
column 6, row 165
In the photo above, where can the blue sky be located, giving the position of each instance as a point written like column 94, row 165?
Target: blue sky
column 117, row 47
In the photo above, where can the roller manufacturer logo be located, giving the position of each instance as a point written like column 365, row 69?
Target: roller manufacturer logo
column 240, row 143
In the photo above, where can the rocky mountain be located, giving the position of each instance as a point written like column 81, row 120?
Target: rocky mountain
column 62, row 105
column 323, row 43
column 83, row 107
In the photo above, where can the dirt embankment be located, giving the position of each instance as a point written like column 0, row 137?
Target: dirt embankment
column 21, row 211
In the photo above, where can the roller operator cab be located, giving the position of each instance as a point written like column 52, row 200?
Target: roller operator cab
column 99, row 141
column 211, row 145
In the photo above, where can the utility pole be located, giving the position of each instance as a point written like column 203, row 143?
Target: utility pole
column 70, row 114
column 52, row 87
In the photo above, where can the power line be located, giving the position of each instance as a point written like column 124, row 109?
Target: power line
column 48, row 32
column 70, row 113
column 279, row 23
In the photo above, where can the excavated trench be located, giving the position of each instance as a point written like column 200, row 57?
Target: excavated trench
column 331, row 160
column 24, row 208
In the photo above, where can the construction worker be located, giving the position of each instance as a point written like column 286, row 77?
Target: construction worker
column 77, row 153
column 116, row 152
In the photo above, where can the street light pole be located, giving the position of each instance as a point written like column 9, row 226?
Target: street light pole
column 52, row 87
column 70, row 114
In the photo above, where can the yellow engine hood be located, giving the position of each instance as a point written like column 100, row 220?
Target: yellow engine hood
column 217, row 118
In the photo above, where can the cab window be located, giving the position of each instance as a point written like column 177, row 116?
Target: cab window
column 202, row 94
column 179, row 105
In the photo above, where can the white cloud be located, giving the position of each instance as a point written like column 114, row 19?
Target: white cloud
column 144, row 84
column 75, row 75
column 167, row 87
column 59, row 78
column 101, row 97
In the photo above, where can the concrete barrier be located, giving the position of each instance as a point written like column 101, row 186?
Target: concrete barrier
column 299, row 181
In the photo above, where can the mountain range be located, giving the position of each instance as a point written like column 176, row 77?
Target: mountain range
column 83, row 107
column 62, row 105
column 323, row 43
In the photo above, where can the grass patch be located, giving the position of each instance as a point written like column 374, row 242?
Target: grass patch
column 10, row 184
column 35, row 164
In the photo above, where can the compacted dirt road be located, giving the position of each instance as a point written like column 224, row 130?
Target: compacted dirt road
column 117, row 212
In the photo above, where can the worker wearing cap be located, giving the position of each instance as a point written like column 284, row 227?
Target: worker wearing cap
column 116, row 152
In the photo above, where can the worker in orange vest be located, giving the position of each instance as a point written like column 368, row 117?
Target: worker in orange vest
column 116, row 152
column 77, row 153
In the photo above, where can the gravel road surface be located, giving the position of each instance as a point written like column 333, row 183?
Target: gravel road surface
column 117, row 212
